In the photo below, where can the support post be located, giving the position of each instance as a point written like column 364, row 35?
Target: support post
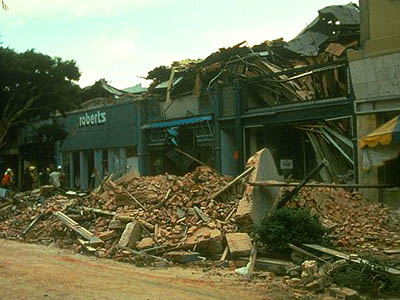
column 217, row 100
column 83, row 164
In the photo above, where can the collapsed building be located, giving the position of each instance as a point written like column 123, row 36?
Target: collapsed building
column 294, row 98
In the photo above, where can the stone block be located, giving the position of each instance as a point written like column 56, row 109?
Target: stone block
column 239, row 244
column 131, row 235
column 260, row 199
column 344, row 293
column 106, row 235
column 145, row 243
column 208, row 241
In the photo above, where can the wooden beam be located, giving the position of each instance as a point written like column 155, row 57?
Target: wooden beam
column 252, row 262
column 245, row 173
column 347, row 257
column 331, row 185
column 83, row 232
column 33, row 223
column 304, row 252
column 196, row 160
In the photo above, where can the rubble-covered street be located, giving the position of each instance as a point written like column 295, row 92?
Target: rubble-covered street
column 35, row 272
column 196, row 221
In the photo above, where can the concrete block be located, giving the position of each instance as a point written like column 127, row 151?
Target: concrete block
column 344, row 293
column 145, row 243
column 131, row 235
column 208, row 241
column 239, row 244
column 262, row 198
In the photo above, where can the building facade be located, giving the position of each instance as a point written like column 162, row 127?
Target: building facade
column 101, row 140
column 375, row 75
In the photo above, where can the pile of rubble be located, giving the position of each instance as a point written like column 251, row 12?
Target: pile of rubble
column 149, row 214
column 355, row 223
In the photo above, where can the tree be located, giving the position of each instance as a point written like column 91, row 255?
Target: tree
column 33, row 87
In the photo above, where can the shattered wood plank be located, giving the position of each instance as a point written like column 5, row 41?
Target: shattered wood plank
column 245, row 173
column 142, row 253
column 332, row 141
column 158, row 205
column 134, row 199
column 156, row 232
column 252, row 262
column 392, row 251
column 149, row 234
column 99, row 211
column 200, row 213
column 86, row 234
column 347, row 257
column 224, row 254
column 230, row 214
column 330, row 185
column 304, row 252
column 33, row 223
column 196, row 160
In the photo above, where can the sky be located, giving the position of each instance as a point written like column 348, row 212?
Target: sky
column 122, row 40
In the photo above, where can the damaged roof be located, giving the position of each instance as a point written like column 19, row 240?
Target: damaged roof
column 332, row 22
column 320, row 48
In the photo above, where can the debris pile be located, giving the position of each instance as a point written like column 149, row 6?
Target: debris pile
column 164, row 213
column 355, row 223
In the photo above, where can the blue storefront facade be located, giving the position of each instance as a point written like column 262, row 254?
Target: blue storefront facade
column 100, row 140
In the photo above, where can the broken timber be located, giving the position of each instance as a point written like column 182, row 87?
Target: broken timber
column 200, row 213
column 292, row 193
column 347, row 257
column 86, row 234
column 196, row 160
column 331, row 185
column 245, row 173
column 252, row 262
column 33, row 223
column 304, row 252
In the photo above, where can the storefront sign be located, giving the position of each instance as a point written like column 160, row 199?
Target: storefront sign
column 92, row 119
column 286, row 164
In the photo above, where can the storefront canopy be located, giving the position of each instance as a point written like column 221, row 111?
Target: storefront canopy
column 178, row 122
column 381, row 145
column 388, row 133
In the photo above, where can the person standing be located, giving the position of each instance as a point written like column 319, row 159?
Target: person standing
column 33, row 174
column 8, row 179
column 56, row 176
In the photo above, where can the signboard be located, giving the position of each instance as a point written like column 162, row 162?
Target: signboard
column 286, row 164
column 96, row 118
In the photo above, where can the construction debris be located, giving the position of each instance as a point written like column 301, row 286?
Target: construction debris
column 160, row 214
column 239, row 244
column 354, row 222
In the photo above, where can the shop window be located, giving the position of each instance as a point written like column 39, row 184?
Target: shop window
column 392, row 172
column 66, row 169
column 157, row 136
column 228, row 101
column 105, row 162
column 154, row 110
column 205, row 103
column 132, row 163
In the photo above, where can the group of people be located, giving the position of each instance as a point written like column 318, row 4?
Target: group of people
column 34, row 179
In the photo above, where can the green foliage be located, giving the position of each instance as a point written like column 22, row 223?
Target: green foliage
column 33, row 86
column 365, row 279
column 288, row 225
